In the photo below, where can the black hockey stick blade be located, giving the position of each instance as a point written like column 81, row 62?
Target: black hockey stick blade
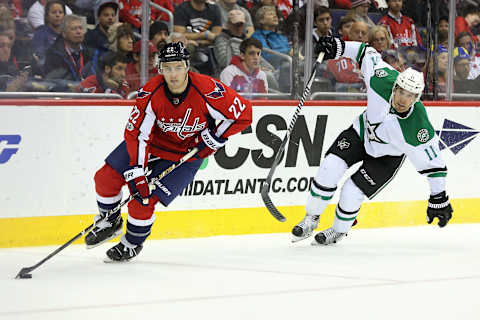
column 269, row 204
column 25, row 273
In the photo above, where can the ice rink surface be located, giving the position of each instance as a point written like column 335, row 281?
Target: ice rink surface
column 401, row 273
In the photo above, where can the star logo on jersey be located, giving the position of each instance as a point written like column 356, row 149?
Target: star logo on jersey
column 371, row 130
column 343, row 144
column 455, row 136
column 217, row 92
column 142, row 93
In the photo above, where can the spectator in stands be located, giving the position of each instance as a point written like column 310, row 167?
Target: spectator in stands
column 323, row 22
column 227, row 45
column 442, row 63
column 11, row 79
column 359, row 32
column 110, row 77
column 131, row 12
column 344, row 72
column 461, row 81
column 67, row 57
column 22, row 54
column 461, row 63
column 344, row 26
column 359, row 11
column 228, row 5
column 158, row 34
column 244, row 73
column 267, row 20
column 401, row 28
column 464, row 39
column 469, row 20
column 228, row 41
column 121, row 38
column 392, row 57
column 281, row 20
column 97, row 38
column 133, row 68
column 14, row 6
column 323, row 27
column 202, row 22
column 443, row 24
column 379, row 38
column 46, row 34
column 36, row 13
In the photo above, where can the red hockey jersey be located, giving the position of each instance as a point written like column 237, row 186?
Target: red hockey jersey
column 165, row 127
column 403, row 31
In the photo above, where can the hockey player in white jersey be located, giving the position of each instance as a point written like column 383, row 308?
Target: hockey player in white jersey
column 394, row 126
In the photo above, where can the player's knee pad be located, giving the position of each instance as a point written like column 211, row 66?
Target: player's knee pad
column 331, row 170
column 140, row 212
column 108, row 182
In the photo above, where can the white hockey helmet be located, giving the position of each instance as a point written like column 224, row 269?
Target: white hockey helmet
column 412, row 81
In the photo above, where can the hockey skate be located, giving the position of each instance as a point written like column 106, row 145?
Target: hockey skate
column 327, row 237
column 304, row 228
column 123, row 252
column 103, row 232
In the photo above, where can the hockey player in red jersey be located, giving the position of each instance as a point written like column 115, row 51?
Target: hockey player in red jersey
column 174, row 112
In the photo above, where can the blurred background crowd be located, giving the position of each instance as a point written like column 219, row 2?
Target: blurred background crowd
column 93, row 46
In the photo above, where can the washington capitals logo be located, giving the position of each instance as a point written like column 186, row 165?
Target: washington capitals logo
column 142, row 94
column 217, row 93
column 455, row 136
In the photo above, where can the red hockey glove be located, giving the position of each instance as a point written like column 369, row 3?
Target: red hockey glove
column 439, row 207
column 137, row 183
column 207, row 144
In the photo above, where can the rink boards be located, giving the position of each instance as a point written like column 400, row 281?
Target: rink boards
column 50, row 150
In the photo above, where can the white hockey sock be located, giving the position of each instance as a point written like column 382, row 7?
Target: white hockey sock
column 324, row 185
column 351, row 199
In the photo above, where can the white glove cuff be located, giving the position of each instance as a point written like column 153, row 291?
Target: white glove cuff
column 133, row 173
column 212, row 141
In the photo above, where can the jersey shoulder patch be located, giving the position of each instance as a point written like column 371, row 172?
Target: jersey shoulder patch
column 416, row 128
column 382, row 82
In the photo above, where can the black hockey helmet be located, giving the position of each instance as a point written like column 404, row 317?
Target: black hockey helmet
column 174, row 51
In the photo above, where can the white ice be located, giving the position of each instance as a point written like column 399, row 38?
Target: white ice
column 397, row 273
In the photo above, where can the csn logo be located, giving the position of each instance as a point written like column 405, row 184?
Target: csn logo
column 8, row 146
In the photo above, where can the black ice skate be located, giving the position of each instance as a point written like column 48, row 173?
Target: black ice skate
column 327, row 237
column 304, row 228
column 103, row 232
column 123, row 252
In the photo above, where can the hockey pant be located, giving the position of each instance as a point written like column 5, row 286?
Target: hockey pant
column 109, row 182
column 372, row 176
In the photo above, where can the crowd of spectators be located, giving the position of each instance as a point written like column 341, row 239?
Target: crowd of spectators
column 94, row 45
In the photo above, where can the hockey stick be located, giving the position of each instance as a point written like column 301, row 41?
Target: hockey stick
column 266, row 185
column 25, row 273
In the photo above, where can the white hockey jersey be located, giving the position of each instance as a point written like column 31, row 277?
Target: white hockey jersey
column 383, row 131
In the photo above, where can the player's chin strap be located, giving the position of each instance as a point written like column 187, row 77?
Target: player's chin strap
column 24, row 273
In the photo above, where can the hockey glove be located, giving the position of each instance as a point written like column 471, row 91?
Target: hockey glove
column 207, row 144
column 439, row 207
column 137, row 183
column 332, row 46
